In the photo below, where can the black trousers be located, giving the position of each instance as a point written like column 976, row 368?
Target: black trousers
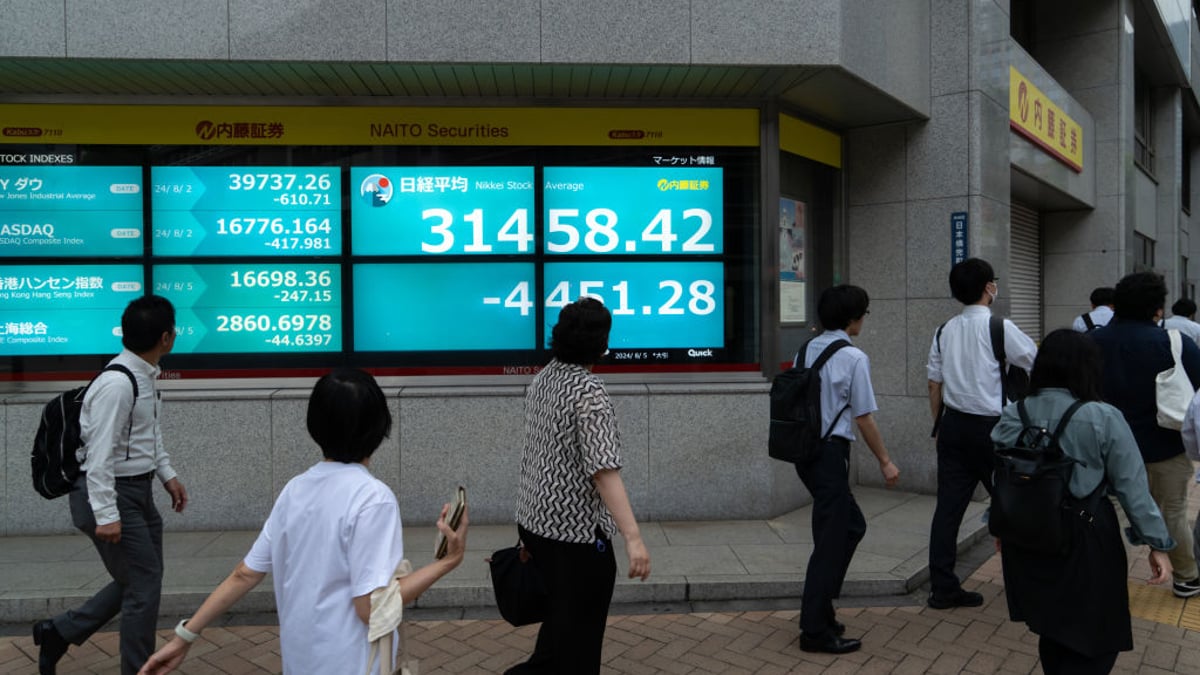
column 136, row 566
column 838, row 526
column 580, row 579
column 1058, row 660
column 964, row 460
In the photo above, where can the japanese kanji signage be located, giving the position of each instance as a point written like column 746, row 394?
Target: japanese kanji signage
column 959, row 250
column 1033, row 115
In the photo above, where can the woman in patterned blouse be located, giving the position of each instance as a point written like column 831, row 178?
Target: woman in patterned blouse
column 571, row 499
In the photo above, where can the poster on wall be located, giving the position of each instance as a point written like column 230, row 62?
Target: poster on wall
column 791, row 262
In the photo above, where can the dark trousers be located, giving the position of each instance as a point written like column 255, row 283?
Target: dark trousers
column 1058, row 660
column 964, row 460
column 135, row 564
column 837, row 527
column 580, row 579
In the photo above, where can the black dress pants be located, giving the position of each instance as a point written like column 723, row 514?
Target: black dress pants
column 580, row 579
column 838, row 526
column 964, row 460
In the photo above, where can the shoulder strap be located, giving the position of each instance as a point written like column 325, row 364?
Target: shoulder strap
column 801, row 353
column 828, row 352
column 132, row 380
column 831, row 348
column 1025, row 423
column 996, row 329
column 1087, row 321
column 937, row 337
column 128, row 373
column 1062, row 422
column 1176, row 345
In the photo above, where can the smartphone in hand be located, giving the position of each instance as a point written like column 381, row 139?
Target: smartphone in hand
column 453, row 519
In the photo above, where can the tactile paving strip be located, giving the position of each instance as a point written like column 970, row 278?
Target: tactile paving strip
column 1158, row 604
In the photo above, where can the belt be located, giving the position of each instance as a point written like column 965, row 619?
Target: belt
column 986, row 418
column 141, row 476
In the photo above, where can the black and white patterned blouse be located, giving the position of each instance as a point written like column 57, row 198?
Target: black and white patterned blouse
column 570, row 434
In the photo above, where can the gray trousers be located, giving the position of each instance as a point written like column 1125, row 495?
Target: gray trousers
column 135, row 565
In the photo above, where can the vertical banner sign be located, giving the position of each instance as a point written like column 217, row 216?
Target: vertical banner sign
column 958, row 237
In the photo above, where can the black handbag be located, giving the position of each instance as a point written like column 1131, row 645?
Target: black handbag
column 521, row 594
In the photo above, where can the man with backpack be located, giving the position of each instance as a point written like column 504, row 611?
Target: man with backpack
column 1135, row 351
column 967, row 391
column 112, row 501
column 1102, row 311
column 837, row 522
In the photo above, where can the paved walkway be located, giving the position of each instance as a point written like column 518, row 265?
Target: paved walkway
column 685, row 622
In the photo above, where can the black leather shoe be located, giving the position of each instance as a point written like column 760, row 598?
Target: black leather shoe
column 829, row 644
column 53, row 646
column 959, row 598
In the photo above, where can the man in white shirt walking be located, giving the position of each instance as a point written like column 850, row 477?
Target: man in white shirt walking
column 966, row 395
column 1102, row 310
column 113, row 502
column 1183, row 319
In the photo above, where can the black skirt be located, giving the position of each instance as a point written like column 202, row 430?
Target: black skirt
column 1080, row 600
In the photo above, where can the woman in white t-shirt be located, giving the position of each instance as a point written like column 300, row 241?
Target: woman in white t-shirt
column 332, row 538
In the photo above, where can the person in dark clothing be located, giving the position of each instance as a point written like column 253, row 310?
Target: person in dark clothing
column 1135, row 350
column 1077, row 602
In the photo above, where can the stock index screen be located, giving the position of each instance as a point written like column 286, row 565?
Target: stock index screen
column 462, row 259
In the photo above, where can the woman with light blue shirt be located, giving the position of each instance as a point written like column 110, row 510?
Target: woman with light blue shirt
column 1078, row 603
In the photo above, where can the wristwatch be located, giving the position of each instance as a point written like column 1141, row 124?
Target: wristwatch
column 185, row 634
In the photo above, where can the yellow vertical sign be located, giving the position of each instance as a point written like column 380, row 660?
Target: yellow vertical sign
column 1033, row 115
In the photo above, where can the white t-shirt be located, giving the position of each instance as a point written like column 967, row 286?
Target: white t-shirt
column 333, row 534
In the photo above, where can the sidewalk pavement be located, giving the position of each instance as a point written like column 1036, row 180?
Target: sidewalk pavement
column 691, row 561
column 696, row 631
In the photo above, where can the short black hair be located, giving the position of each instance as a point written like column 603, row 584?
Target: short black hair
column 969, row 278
column 1139, row 296
column 144, row 322
column 1069, row 360
column 839, row 305
column 1183, row 307
column 348, row 415
column 581, row 334
column 1102, row 296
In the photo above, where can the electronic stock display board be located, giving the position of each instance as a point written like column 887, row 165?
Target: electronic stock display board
column 367, row 264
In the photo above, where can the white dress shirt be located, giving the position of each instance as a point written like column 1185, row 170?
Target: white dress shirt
column 1100, row 317
column 965, row 365
column 1185, row 326
column 112, row 445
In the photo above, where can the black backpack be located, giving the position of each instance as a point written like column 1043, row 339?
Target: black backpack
column 1031, row 504
column 55, row 466
column 795, row 433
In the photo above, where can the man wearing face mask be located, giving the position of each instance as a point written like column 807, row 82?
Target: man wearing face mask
column 965, row 396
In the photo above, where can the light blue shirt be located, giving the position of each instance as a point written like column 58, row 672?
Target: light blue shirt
column 845, row 380
column 1099, row 437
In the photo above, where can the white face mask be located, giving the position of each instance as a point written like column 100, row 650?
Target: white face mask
column 994, row 295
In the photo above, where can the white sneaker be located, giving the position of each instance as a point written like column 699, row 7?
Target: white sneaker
column 1187, row 589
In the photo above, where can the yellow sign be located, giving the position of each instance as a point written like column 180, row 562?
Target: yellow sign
column 1033, row 115
column 365, row 125
column 801, row 138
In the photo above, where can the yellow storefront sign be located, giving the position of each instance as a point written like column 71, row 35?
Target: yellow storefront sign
column 364, row 125
column 808, row 140
column 1033, row 115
